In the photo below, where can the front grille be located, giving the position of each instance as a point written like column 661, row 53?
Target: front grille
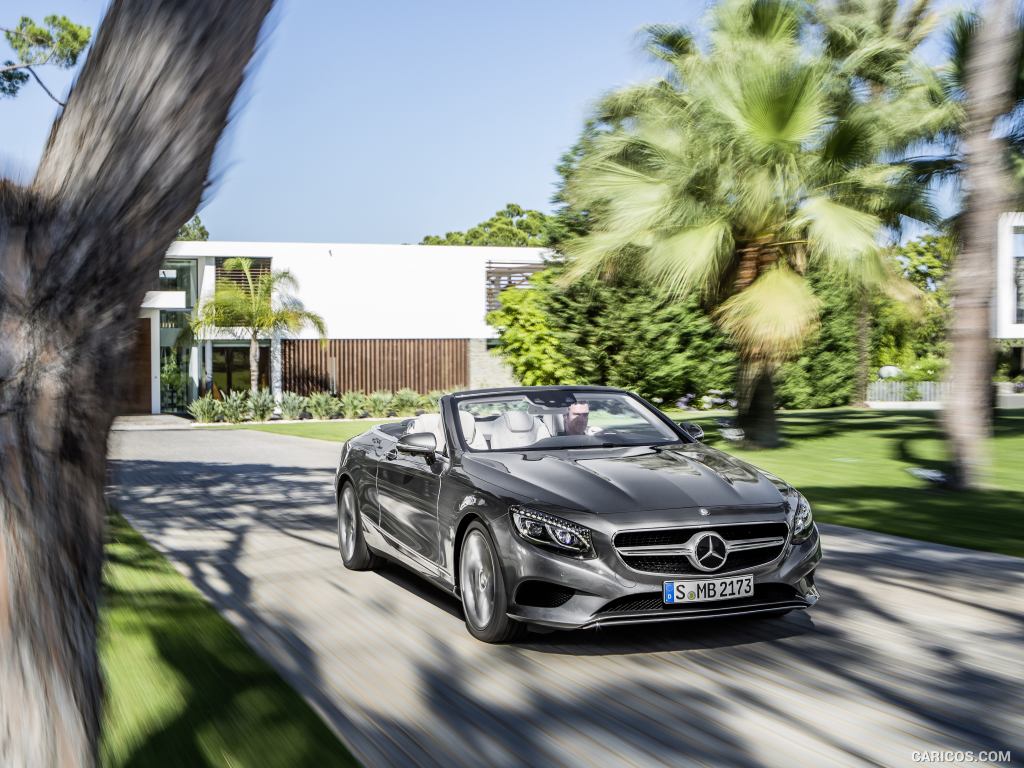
column 681, row 535
column 542, row 594
column 652, row 601
column 681, row 564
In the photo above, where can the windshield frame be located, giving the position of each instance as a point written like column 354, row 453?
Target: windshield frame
column 639, row 402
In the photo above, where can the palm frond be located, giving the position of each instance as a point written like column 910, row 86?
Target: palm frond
column 770, row 319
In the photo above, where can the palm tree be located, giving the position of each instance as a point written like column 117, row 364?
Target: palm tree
column 260, row 304
column 748, row 163
column 989, row 68
column 125, row 165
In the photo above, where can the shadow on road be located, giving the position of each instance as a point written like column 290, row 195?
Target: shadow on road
column 902, row 653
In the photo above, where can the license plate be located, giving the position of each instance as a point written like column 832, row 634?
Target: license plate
column 705, row 590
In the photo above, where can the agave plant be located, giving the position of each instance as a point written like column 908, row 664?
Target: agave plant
column 378, row 404
column 406, row 402
column 431, row 402
column 292, row 405
column 322, row 405
column 262, row 405
column 352, row 404
column 235, row 407
column 205, row 409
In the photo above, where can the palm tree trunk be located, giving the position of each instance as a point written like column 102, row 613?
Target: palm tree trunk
column 755, row 403
column 860, row 396
column 254, row 364
column 968, row 413
column 125, row 166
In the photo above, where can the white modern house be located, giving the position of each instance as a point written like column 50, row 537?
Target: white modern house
column 1009, row 304
column 397, row 316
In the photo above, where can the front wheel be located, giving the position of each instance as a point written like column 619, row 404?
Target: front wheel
column 482, row 587
column 354, row 553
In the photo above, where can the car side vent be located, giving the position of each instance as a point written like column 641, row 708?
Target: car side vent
column 543, row 594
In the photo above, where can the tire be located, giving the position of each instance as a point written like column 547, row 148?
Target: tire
column 482, row 588
column 351, row 545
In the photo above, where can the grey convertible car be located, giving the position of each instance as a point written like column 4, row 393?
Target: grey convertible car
column 573, row 507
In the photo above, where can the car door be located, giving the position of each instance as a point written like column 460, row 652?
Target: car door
column 407, row 491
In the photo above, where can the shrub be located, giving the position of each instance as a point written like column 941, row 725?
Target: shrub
column 378, row 403
column 235, row 407
column 205, row 410
column 322, row 405
column 292, row 405
column 406, row 402
column 352, row 404
column 431, row 402
column 262, row 405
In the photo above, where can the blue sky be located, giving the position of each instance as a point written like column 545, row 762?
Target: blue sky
column 385, row 121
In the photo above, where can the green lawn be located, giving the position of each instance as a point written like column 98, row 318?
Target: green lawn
column 319, row 430
column 852, row 465
column 182, row 686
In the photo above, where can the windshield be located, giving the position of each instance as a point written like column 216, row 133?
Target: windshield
column 559, row 419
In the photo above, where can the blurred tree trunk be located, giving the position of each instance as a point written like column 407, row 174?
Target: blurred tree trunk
column 254, row 364
column 755, row 403
column 125, row 166
column 860, row 396
column 990, row 77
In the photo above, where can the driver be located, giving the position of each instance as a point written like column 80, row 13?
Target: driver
column 576, row 420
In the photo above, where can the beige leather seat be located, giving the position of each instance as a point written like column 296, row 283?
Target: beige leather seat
column 516, row 429
column 429, row 422
column 474, row 438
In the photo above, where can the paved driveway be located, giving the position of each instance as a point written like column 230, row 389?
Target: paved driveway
column 913, row 647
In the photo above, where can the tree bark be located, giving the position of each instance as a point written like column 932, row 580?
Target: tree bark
column 254, row 364
column 755, row 403
column 990, row 75
column 863, row 347
column 125, row 166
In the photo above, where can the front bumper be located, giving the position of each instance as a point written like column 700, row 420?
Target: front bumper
column 604, row 591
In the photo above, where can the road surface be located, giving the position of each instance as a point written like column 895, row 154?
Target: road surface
column 914, row 647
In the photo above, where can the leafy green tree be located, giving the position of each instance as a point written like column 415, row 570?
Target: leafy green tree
column 193, row 229
column 624, row 333
column 57, row 42
column 511, row 226
column 907, row 331
column 749, row 162
column 528, row 340
column 257, row 306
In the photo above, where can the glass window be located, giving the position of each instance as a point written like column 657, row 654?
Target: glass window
column 1018, row 273
column 556, row 419
column 178, row 275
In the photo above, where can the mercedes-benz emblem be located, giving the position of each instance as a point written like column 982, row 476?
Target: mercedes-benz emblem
column 709, row 551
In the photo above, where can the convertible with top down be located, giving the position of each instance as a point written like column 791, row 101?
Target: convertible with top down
column 571, row 507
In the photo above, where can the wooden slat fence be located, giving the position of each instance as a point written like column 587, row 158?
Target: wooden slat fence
column 340, row 365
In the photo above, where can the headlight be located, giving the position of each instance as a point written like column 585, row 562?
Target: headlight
column 803, row 520
column 552, row 532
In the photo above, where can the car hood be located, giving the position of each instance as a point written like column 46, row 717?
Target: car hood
column 625, row 479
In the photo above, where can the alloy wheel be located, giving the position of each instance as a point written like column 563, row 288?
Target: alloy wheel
column 477, row 580
column 347, row 523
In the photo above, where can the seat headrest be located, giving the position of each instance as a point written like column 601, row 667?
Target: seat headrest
column 519, row 421
column 468, row 421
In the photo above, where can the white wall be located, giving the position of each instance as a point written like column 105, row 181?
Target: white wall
column 1006, row 326
column 381, row 291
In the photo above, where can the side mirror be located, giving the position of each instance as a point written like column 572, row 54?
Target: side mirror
column 418, row 444
column 696, row 431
